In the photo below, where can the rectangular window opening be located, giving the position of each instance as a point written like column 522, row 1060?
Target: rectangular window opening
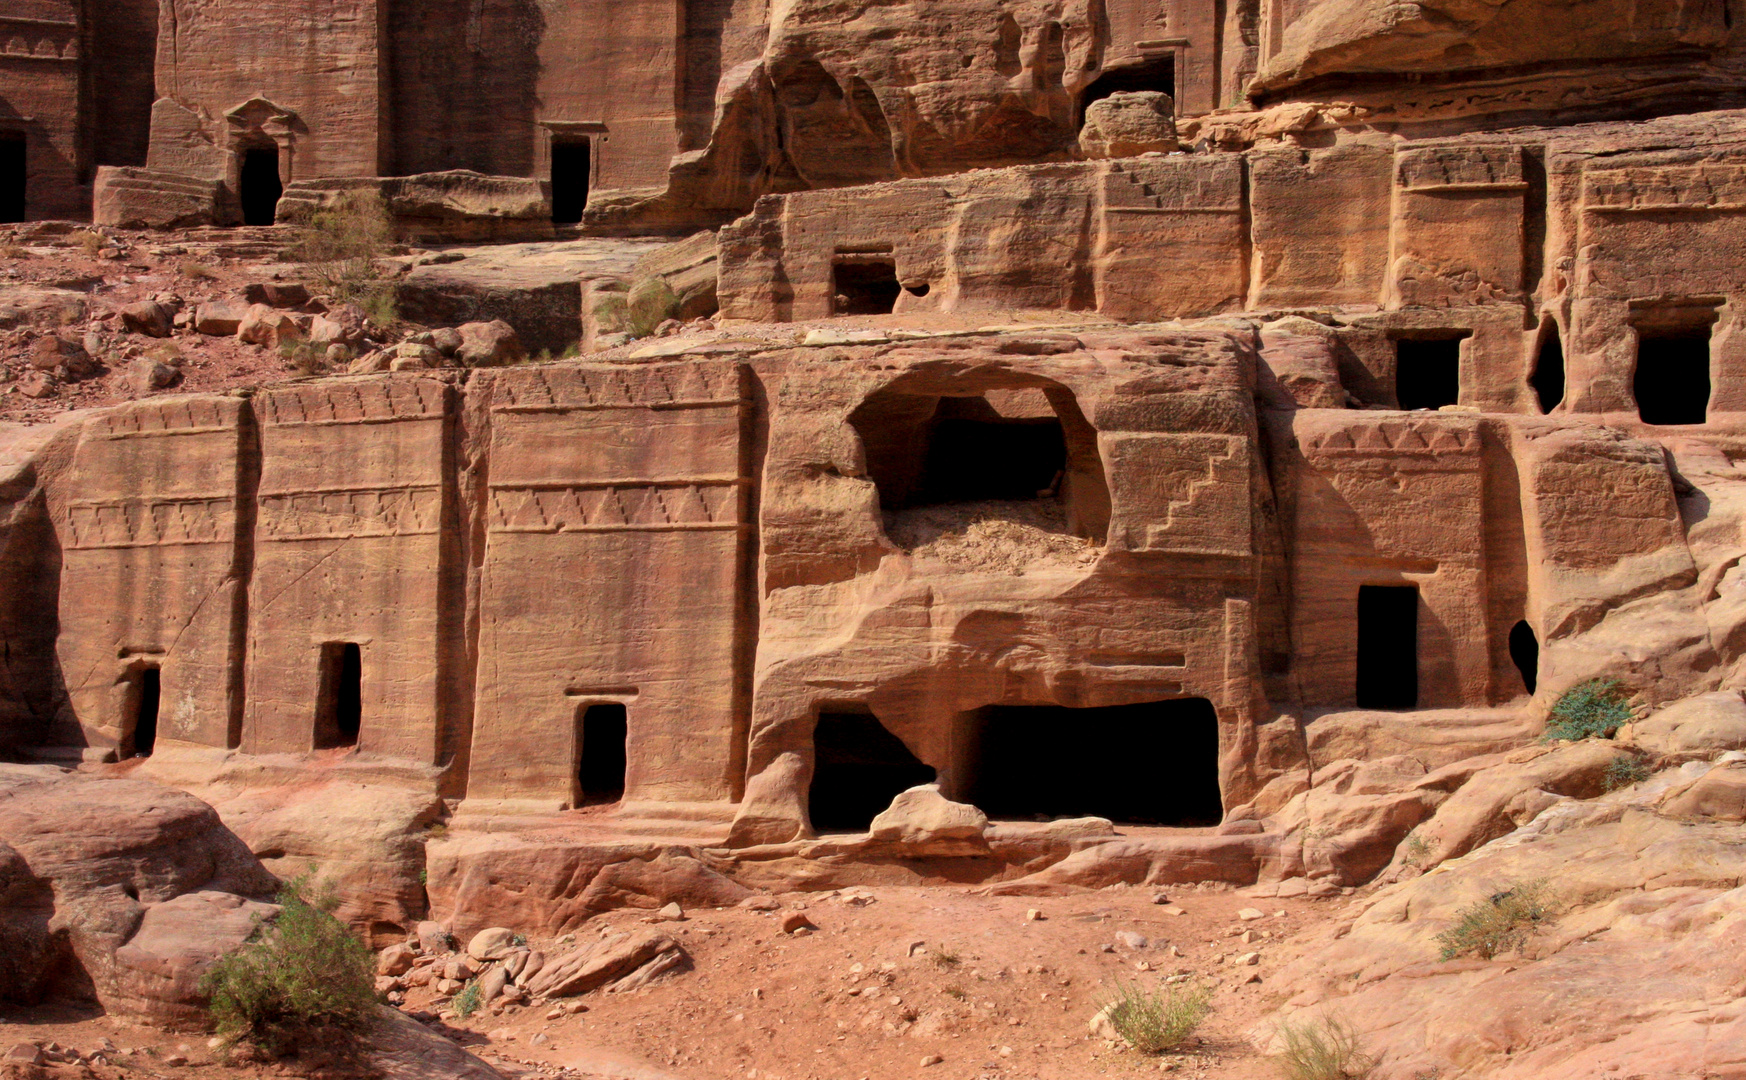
column 1427, row 371
column 1388, row 647
column 12, row 176
column 1672, row 378
column 600, row 753
column 572, row 160
column 139, row 727
column 864, row 284
column 339, row 704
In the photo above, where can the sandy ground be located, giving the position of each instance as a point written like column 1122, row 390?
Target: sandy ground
column 892, row 977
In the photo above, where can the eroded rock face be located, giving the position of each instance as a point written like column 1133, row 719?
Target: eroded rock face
column 1624, row 976
column 93, row 866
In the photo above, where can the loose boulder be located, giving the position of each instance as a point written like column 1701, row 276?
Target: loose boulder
column 1128, row 124
column 489, row 344
column 924, row 819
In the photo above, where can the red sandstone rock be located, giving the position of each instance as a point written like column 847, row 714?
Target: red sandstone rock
column 84, row 861
column 491, row 344
column 147, row 317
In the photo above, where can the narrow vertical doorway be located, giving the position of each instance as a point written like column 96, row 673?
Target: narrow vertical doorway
column 572, row 160
column 259, row 185
column 339, row 710
column 12, row 176
column 1388, row 647
column 139, row 725
column 600, row 753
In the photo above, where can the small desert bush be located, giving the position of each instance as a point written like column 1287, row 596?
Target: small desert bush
column 13, row 251
column 1323, row 1049
column 1596, row 708
column 196, row 271
column 945, row 959
column 303, row 358
column 302, row 970
column 343, row 246
column 1153, row 1021
column 90, row 241
column 1498, row 924
column 1622, row 772
column 467, row 1002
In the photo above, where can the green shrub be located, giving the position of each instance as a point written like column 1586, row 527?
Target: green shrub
column 467, row 1002
column 1596, row 708
column 303, row 358
column 1498, row 924
column 1622, row 772
column 303, row 969
column 342, row 247
column 651, row 302
column 1323, row 1049
column 1153, row 1021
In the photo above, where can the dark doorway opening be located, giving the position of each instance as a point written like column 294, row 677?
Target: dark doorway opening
column 859, row 766
column 140, row 722
column 970, row 460
column 1157, row 73
column 339, row 709
column 600, row 753
column 1388, row 646
column 864, row 285
column 1548, row 377
column 1427, row 372
column 1525, row 651
column 12, row 176
column 572, row 162
column 1672, row 380
column 1155, row 763
column 259, row 186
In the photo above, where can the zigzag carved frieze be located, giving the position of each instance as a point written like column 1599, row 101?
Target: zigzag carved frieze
column 129, row 523
column 359, row 402
column 656, row 386
column 1394, row 438
column 346, row 513
column 619, row 506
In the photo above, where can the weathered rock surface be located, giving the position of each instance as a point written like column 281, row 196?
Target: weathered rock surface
column 1628, row 977
column 85, row 861
column 601, row 962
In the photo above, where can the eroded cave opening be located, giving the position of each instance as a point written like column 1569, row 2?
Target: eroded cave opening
column 1388, row 646
column 139, row 733
column 1548, row 377
column 859, row 766
column 259, row 186
column 1525, row 653
column 12, row 176
column 1427, row 372
column 602, row 730
column 572, row 160
column 1153, row 73
column 1672, row 379
column 1155, row 763
column 864, row 283
column 339, row 707
column 1024, row 451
